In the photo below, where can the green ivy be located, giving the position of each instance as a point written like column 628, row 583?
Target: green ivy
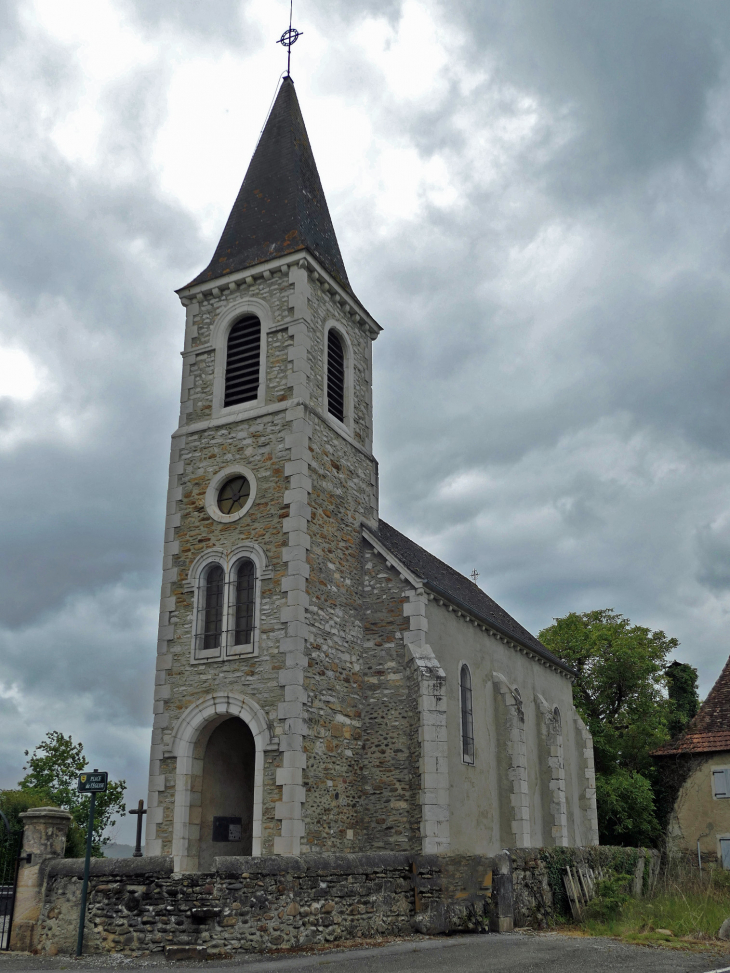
column 556, row 860
column 614, row 861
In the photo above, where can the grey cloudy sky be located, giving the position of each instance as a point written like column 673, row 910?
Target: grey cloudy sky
column 531, row 198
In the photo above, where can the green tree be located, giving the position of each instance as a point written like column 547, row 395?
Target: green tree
column 626, row 809
column 13, row 803
column 683, row 695
column 621, row 695
column 53, row 768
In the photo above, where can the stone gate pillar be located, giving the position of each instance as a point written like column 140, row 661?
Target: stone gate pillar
column 44, row 837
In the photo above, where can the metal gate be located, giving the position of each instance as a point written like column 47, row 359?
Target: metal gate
column 10, row 845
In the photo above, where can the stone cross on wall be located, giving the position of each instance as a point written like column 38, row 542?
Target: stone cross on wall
column 139, row 811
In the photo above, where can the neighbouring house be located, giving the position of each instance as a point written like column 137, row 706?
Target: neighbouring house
column 695, row 772
column 324, row 684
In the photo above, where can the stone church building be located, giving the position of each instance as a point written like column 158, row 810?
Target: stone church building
column 323, row 683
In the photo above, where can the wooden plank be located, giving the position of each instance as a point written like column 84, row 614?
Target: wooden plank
column 573, row 895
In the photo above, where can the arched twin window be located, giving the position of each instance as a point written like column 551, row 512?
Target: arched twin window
column 226, row 611
column 245, row 602
column 243, row 361
column 336, row 375
column 212, row 613
column 467, row 716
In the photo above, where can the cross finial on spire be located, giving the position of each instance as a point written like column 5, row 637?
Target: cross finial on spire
column 474, row 576
column 289, row 37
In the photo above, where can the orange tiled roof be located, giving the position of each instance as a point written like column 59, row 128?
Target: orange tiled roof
column 709, row 731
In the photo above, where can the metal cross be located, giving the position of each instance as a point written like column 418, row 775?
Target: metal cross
column 474, row 576
column 289, row 37
column 140, row 812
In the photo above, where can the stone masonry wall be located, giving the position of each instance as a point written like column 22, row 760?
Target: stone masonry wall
column 339, row 471
column 257, row 444
column 200, row 449
column 316, row 484
column 139, row 906
column 391, row 811
column 340, row 500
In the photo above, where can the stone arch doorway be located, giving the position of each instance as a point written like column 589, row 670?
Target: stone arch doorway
column 188, row 744
column 227, row 792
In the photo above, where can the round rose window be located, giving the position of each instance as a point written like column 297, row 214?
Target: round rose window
column 233, row 495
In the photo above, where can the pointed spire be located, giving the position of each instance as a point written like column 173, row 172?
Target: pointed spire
column 281, row 206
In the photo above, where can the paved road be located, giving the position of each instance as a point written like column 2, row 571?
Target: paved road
column 549, row 953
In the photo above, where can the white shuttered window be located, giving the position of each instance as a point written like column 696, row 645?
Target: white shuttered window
column 721, row 783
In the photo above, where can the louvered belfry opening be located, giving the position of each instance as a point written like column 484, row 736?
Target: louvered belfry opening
column 242, row 361
column 335, row 376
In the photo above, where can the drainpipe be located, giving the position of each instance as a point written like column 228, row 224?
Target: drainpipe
column 705, row 834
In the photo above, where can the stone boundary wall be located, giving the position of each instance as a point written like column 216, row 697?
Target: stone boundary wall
column 536, row 872
column 140, row 906
column 683, row 862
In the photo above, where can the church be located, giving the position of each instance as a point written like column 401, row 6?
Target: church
column 324, row 684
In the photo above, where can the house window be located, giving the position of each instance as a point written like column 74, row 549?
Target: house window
column 335, row 375
column 467, row 719
column 225, row 610
column 243, row 361
column 721, row 783
column 214, row 589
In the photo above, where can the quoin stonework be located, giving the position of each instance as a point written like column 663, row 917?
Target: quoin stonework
column 325, row 685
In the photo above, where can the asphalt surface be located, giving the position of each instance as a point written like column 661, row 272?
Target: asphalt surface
column 546, row 953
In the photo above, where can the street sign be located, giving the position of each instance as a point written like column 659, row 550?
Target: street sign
column 89, row 783
column 93, row 783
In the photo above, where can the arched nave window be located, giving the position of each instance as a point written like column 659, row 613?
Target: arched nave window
column 467, row 717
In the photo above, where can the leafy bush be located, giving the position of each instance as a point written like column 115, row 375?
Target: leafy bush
column 612, row 894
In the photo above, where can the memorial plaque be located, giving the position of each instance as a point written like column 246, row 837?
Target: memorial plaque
column 227, row 829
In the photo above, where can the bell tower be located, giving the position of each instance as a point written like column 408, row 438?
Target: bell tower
column 257, row 740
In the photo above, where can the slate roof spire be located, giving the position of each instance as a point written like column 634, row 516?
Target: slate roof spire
column 280, row 207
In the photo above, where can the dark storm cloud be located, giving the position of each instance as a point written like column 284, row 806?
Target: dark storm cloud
column 634, row 76
column 98, row 320
column 595, row 415
column 88, row 260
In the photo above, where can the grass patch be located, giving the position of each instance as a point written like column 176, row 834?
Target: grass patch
column 683, row 910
